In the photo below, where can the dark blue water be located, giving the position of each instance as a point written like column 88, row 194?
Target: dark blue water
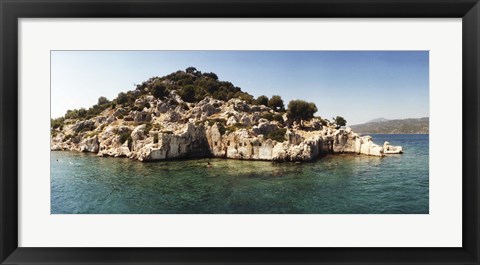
column 336, row 184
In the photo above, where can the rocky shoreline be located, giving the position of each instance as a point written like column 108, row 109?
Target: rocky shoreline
column 204, row 135
column 193, row 114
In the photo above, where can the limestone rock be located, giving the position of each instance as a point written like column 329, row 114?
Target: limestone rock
column 89, row 145
column 138, row 133
column 264, row 127
column 119, row 111
column 390, row 149
column 293, row 138
column 141, row 116
column 171, row 136
column 232, row 120
column 245, row 120
column 83, row 125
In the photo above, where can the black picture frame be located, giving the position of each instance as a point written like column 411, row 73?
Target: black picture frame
column 11, row 10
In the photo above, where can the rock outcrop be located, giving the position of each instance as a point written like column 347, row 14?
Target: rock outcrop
column 166, row 127
column 89, row 145
column 390, row 149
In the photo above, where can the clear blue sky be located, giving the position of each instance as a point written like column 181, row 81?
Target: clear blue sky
column 358, row 85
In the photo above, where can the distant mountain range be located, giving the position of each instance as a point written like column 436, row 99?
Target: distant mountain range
column 384, row 126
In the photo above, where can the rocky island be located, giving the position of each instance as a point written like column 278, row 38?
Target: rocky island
column 190, row 114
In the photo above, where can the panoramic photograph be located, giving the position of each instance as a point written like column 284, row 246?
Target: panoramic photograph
column 239, row 132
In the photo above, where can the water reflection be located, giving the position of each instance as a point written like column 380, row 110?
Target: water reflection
column 84, row 183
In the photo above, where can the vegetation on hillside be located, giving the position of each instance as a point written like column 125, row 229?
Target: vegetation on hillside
column 405, row 126
column 192, row 86
column 340, row 121
column 299, row 110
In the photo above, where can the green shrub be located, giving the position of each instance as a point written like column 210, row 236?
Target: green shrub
column 122, row 98
column 268, row 116
column 159, row 90
column 247, row 97
column 102, row 101
column 127, row 99
column 273, row 117
column 187, row 93
column 194, row 86
column 301, row 110
column 148, row 127
column 278, row 117
column 221, row 128
column 191, row 70
column 57, row 123
column 276, row 103
column 262, row 100
column 155, row 138
column 211, row 75
column 340, row 121
column 277, row 135
column 76, row 114
column 173, row 102
column 124, row 137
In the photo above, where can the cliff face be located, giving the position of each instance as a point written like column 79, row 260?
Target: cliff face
column 171, row 128
column 193, row 114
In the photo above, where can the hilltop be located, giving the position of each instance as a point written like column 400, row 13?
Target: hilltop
column 194, row 114
column 400, row 126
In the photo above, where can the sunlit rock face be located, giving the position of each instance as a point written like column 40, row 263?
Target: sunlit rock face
column 167, row 127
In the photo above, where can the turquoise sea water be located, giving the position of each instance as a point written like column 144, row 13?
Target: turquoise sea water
column 335, row 184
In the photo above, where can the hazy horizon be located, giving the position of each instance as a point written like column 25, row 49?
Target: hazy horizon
column 358, row 85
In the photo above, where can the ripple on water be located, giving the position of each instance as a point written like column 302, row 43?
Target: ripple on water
column 340, row 184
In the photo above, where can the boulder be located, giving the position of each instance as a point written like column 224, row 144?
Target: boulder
column 245, row 120
column 232, row 120
column 89, row 145
column 163, row 107
column 172, row 116
column 138, row 133
column 83, row 125
column 119, row 111
column 141, row 116
column 264, row 127
column 293, row 138
column 209, row 109
column 110, row 119
column 390, row 149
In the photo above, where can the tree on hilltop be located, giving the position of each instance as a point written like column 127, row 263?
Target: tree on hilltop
column 262, row 100
column 299, row 110
column 276, row 103
column 159, row 91
column 191, row 70
column 122, row 98
column 211, row 75
column 187, row 93
column 102, row 100
column 340, row 121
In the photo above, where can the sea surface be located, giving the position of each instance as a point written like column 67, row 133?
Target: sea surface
column 335, row 184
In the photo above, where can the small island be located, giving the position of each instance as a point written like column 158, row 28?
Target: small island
column 190, row 114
